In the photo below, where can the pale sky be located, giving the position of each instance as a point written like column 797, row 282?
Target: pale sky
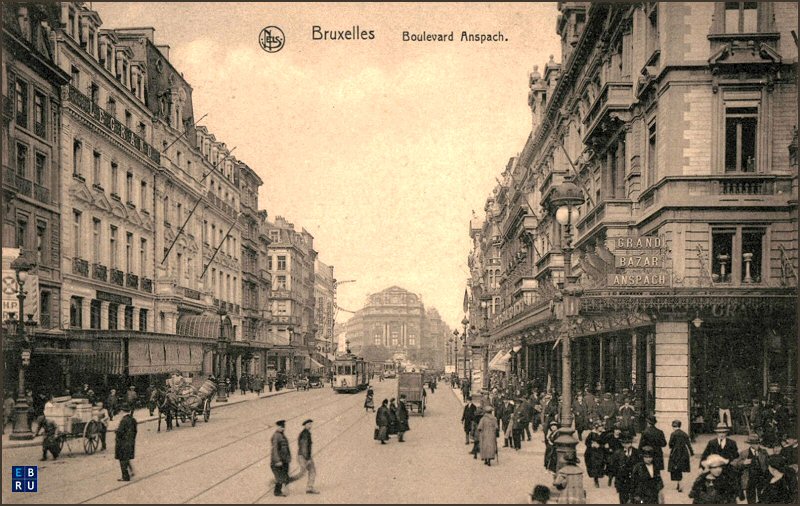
column 380, row 148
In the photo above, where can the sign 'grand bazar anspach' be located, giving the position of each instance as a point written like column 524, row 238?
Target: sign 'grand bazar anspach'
column 638, row 262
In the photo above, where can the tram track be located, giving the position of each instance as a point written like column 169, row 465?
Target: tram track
column 159, row 472
column 333, row 418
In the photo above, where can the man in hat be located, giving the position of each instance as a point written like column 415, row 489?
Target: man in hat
column 721, row 445
column 624, row 461
column 781, row 488
column 281, row 458
column 304, row 457
column 467, row 418
column 487, row 435
column 647, row 483
column 125, row 447
column 382, row 420
column 627, row 416
column 402, row 418
column 654, row 437
column 112, row 403
column 789, row 452
column 50, row 442
column 752, row 466
column 131, row 397
column 607, row 411
column 714, row 485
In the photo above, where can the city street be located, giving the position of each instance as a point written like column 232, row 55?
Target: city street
column 226, row 460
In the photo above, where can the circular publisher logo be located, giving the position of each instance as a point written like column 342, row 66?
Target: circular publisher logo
column 271, row 39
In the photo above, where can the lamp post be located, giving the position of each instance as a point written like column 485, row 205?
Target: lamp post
column 565, row 199
column 485, row 332
column 455, row 350
column 222, row 349
column 22, row 430
column 465, row 337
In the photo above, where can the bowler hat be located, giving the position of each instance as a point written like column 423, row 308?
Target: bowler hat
column 676, row 423
column 488, row 409
column 308, row 421
column 281, row 423
column 721, row 427
column 651, row 419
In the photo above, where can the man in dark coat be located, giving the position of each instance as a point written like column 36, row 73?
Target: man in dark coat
column 393, row 417
column 654, row 437
column 382, row 421
column 280, row 458
column 150, row 394
column 124, row 450
column 591, row 405
column 721, row 445
column 468, row 418
column 50, row 442
column 305, row 458
column 680, row 453
column 402, row 418
column 527, row 409
column 752, row 465
column 647, row 482
column 624, row 461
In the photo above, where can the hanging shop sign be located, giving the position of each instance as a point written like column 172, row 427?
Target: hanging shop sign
column 639, row 263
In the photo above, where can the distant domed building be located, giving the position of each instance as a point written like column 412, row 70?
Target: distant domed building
column 393, row 322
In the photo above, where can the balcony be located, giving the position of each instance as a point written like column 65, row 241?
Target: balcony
column 117, row 277
column 41, row 194
column 71, row 94
column 147, row 285
column 17, row 182
column 189, row 293
column 745, row 186
column 132, row 281
column 99, row 272
column 80, row 267
column 221, row 204
column 614, row 97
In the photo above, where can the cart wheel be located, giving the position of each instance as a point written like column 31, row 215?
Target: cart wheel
column 91, row 438
column 194, row 418
column 207, row 411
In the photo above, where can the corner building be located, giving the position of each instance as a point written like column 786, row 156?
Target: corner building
column 678, row 122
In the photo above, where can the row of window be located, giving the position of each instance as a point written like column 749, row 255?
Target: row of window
column 40, row 242
column 76, row 305
column 215, row 237
column 19, row 90
column 411, row 340
column 113, row 236
column 40, row 165
column 224, row 286
column 280, row 265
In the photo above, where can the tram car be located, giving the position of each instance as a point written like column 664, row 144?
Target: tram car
column 352, row 373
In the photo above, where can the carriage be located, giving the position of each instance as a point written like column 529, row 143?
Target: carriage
column 411, row 385
column 187, row 404
column 75, row 419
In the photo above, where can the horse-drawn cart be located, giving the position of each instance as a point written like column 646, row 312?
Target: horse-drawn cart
column 75, row 419
column 410, row 384
column 187, row 403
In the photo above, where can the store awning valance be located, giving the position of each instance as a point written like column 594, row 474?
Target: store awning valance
column 203, row 325
column 316, row 365
column 500, row 361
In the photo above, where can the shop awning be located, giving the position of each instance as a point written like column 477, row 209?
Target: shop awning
column 202, row 325
column 316, row 365
column 499, row 362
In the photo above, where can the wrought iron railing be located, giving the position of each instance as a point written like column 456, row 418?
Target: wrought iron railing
column 100, row 272
column 80, row 266
column 190, row 293
column 147, row 285
column 132, row 281
column 17, row 182
column 40, row 129
column 117, row 277
column 41, row 193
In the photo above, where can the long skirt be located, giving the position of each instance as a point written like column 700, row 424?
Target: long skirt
column 383, row 433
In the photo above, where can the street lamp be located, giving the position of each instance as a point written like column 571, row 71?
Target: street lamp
column 455, row 350
column 485, row 330
column 21, row 265
column 465, row 337
column 565, row 200
column 222, row 348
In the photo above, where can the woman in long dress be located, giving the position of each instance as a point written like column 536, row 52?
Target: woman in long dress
column 487, row 434
column 595, row 453
column 369, row 402
column 550, row 454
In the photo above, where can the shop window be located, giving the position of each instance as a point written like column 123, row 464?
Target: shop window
column 113, row 315
column 94, row 315
column 752, row 255
column 741, row 17
column 721, row 251
column 741, row 128
column 128, row 317
column 76, row 312
column 143, row 320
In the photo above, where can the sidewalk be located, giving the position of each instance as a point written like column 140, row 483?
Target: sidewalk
column 142, row 415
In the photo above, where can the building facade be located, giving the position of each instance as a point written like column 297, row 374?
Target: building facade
column 291, row 258
column 31, row 201
column 677, row 122
column 324, row 313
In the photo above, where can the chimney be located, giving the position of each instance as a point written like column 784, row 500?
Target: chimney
column 164, row 51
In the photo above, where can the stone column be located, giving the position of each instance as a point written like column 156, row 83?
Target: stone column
column 672, row 373
column 86, row 313
column 104, row 315
column 135, row 319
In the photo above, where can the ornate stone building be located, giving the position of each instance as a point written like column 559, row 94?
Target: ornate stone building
column 324, row 314
column 677, row 121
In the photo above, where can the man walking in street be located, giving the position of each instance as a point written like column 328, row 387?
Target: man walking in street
column 305, row 458
column 131, row 398
column 102, row 417
column 112, row 403
column 124, row 450
column 382, row 421
column 654, row 438
column 468, row 418
column 281, row 458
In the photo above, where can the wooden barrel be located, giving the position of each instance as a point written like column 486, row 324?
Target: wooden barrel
column 207, row 388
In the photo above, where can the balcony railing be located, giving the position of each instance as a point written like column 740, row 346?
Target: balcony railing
column 147, row 285
column 110, row 122
column 221, row 204
column 17, row 182
column 750, row 186
column 614, row 96
column 41, row 193
column 117, row 277
column 100, row 272
column 132, row 281
column 80, row 266
column 190, row 294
